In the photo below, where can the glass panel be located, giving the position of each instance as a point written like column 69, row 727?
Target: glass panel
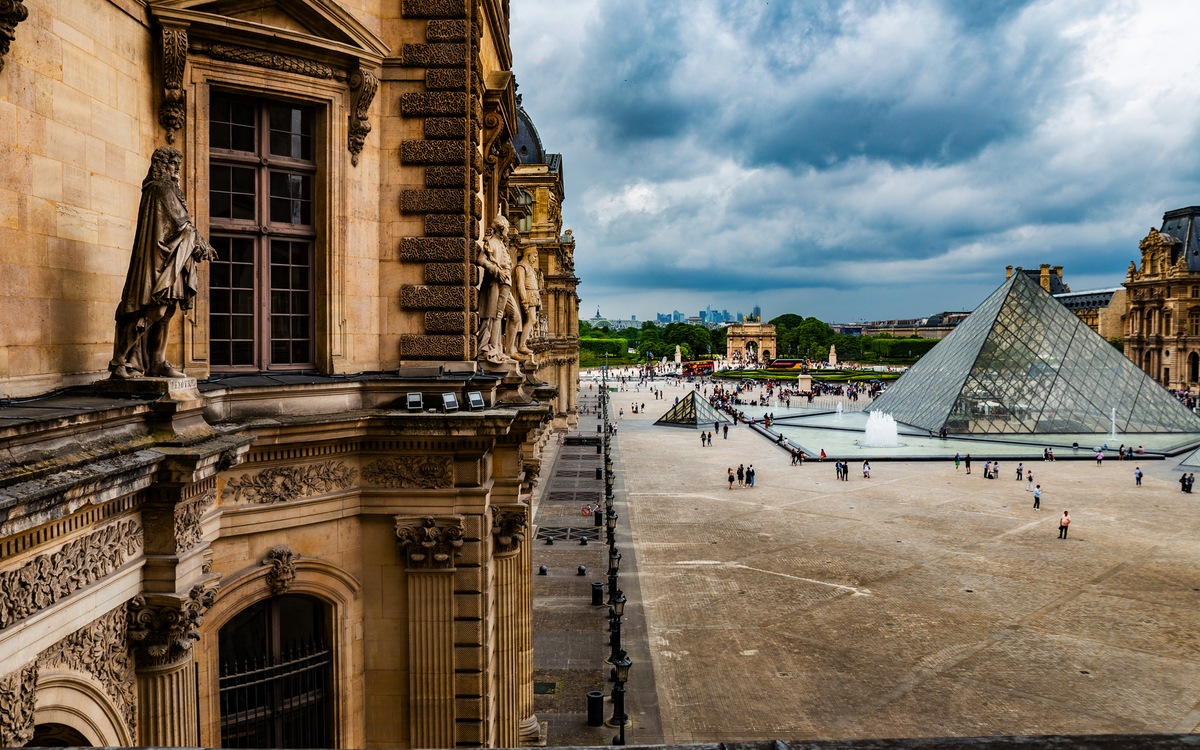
column 291, row 198
column 291, row 132
column 231, row 192
column 231, row 308
column 290, row 289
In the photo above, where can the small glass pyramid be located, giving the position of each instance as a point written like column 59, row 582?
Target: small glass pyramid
column 692, row 412
column 1024, row 363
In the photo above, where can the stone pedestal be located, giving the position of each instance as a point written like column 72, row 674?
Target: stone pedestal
column 178, row 411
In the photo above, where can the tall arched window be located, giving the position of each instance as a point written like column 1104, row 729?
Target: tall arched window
column 1194, row 368
column 276, row 667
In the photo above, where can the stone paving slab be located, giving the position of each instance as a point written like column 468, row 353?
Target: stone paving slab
column 921, row 602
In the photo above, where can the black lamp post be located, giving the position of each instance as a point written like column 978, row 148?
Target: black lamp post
column 619, row 719
column 611, row 524
column 615, row 613
column 614, row 565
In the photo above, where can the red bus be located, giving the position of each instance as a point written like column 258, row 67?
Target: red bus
column 698, row 368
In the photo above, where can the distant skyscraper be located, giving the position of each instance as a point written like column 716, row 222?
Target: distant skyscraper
column 757, row 313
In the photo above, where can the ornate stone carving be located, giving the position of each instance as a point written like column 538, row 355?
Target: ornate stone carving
column 100, row 649
column 263, row 59
column 228, row 460
column 187, row 520
column 282, row 562
column 527, row 283
column 166, row 628
column 80, row 562
column 430, row 543
column 496, row 297
column 363, row 85
column 283, row 483
column 411, row 472
column 12, row 12
column 172, row 112
column 18, row 693
column 508, row 527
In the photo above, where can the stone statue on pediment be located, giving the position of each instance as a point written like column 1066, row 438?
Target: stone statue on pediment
column 496, row 303
column 527, row 280
column 162, row 276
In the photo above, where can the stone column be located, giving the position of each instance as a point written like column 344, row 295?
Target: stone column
column 530, row 732
column 163, row 630
column 508, row 532
column 429, row 545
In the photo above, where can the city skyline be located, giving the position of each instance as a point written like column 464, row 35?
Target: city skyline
column 851, row 160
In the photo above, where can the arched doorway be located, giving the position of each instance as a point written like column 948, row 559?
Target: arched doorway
column 57, row 735
column 766, row 355
column 1194, row 368
column 751, row 351
column 276, row 667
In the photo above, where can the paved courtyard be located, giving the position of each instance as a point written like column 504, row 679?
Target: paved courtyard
column 921, row 602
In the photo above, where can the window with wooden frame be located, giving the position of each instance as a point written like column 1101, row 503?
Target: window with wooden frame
column 262, row 170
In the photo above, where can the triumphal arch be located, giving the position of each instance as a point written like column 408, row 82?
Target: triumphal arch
column 751, row 341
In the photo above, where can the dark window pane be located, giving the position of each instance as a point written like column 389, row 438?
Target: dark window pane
column 300, row 303
column 280, row 327
column 242, row 353
column 242, row 139
column 220, row 353
column 300, row 352
column 300, row 326
column 279, row 252
column 219, row 327
column 219, row 206
column 220, row 110
column 243, row 250
column 281, row 353
column 299, row 253
column 219, row 179
column 243, row 207
column 243, row 181
column 243, row 276
column 218, row 135
column 219, row 298
column 243, row 302
column 299, row 278
column 280, row 303
column 219, row 277
column 280, row 144
column 242, row 327
column 279, row 277
column 242, row 113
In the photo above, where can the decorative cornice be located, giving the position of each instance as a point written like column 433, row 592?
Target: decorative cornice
column 363, row 86
column 283, row 483
column 166, row 628
column 172, row 112
column 272, row 60
column 12, row 12
column 187, row 520
column 282, row 563
column 411, row 472
column 428, row 542
column 101, row 650
column 509, row 524
column 80, row 562
column 18, row 696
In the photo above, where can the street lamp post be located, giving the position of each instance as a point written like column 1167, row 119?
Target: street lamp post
column 614, row 566
column 619, row 719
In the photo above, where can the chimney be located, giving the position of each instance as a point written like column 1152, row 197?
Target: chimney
column 1044, row 276
column 1007, row 273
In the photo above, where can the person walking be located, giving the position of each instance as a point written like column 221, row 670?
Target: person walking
column 957, row 460
column 726, row 432
column 703, row 438
column 1063, row 523
column 1099, row 458
column 866, row 469
column 750, row 475
column 967, row 463
column 1037, row 498
column 1029, row 476
column 1020, row 470
column 1191, row 481
column 1137, row 475
column 741, row 475
column 731, row 477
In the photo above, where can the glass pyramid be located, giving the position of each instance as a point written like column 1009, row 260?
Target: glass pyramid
column 692, row 412
column 1024, row 363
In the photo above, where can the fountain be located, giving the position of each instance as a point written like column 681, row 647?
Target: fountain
column 838, row 418
column 881, row 431
column 1114, row 425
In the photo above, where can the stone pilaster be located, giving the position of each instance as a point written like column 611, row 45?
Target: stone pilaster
column 164, row 629
column 509, row 524
column 429, row 545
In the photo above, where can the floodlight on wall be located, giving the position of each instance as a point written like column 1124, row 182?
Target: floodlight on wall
column 449, row 402
column 414, row 402
column 475, row 400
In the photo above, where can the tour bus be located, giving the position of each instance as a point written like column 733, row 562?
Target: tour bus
column 785, row 364
column 698, row 368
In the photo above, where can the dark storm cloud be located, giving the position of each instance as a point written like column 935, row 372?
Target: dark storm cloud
column 886, row 151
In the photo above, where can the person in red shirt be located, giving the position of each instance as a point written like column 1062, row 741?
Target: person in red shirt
column 1063, row 523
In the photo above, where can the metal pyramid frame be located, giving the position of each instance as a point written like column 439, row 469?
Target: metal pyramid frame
column 1023, row 363
column 692, row 412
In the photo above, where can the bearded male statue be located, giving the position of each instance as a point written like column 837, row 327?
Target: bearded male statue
column 526, row 279
column 162, row 272
column 497, row 303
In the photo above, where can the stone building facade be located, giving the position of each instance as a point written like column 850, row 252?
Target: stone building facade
column 751, row 341
column 1162, row 312
column 334, row 502
column 539, row 178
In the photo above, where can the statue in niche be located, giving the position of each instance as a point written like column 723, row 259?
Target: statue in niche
column 162, row 273
column 497, row 303
column 527, row 279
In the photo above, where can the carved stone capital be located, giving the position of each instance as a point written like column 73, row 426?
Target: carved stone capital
column 18, row 693
column 429, row 542
column 12, row 12
column 509, row 524
column 282, row 563
column 166, row 627
column 363, row 85
column 172, row 112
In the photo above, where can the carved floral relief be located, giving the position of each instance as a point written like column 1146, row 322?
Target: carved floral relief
column 283, row 483
column 48, row 578
column 18, row 693
column 100, row 650
column 411, row 472
column 187, row 520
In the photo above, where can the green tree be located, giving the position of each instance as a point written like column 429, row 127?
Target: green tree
column 787, row 320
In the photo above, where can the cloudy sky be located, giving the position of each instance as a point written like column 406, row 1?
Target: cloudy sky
column 858, row 158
